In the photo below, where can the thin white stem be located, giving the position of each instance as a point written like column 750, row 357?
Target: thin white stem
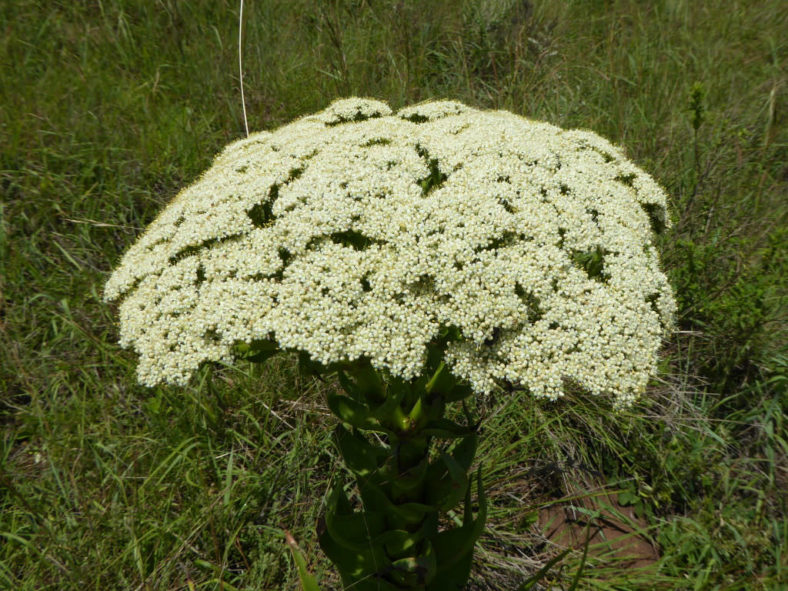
column 240, row 65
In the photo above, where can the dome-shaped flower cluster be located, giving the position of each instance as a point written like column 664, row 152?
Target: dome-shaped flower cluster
column 358, row 232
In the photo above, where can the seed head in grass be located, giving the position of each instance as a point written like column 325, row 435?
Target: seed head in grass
column 362, row 233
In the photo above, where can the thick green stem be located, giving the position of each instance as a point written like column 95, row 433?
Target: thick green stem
column 411, row 466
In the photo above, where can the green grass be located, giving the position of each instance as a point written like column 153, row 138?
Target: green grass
column 108, row 108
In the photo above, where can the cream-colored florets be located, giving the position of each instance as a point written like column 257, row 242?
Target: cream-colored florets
column 358, row 232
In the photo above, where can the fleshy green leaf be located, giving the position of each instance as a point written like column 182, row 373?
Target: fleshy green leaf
column 403, row 514
column 397, row 542
column 458, row 392
column 455, row 578
column 447, row 429
column 465, row 451
column 360, row 456
column 350, row 411
column 351, row 530
column 414, row 571
column 348, row 563
column 405, row 483
column 345, row 539
column 454, row 545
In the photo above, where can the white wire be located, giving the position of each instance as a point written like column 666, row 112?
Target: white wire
column 240, row 65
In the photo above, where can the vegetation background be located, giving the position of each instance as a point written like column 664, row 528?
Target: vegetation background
column 108, row 107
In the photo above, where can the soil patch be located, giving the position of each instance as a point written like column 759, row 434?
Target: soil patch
column 613, row 532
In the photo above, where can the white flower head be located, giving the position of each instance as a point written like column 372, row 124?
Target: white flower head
column 361, row 233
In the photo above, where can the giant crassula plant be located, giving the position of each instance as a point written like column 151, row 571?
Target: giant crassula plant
column 422, row 257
